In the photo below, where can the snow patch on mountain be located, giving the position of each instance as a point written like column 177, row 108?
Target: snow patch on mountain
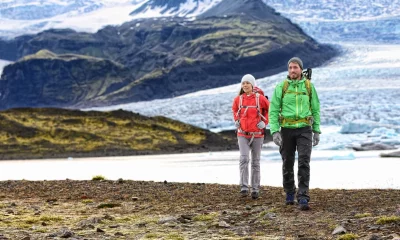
column 3, row 63
column 19, row 17
column 185, row 8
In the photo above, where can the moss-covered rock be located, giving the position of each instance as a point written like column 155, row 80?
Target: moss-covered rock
column 39, row 133
column 48, row 79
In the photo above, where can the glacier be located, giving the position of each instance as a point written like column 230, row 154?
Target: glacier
column 345, row 20
column 363, row 84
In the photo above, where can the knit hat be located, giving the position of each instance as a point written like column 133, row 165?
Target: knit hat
column 249, row 78
column 296, row 60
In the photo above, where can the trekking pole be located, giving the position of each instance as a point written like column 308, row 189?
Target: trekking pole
column 309, row 72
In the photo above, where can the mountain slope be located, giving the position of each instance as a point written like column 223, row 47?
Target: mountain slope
column 171, row 57
column 45, row 133
column 47, row 79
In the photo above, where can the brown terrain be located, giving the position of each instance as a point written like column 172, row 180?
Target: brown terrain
column 123, row 209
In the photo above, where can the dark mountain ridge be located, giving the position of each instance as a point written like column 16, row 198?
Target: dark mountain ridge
column 161, row 57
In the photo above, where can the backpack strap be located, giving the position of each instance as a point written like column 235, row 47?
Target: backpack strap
column 258, row 106
column 252, row 134
column 285, row 87
column 285, row 90
column 247, row 107
column 308, row 87
column 240, row 105
column 258, row 102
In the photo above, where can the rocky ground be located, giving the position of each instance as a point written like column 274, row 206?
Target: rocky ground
column 106, row 209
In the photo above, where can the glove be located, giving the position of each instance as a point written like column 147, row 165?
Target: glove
column 237, row 123
column 315, row 139
column 277, row 138
column 261, row 125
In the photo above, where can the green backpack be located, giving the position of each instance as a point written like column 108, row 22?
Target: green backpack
column 308, row 120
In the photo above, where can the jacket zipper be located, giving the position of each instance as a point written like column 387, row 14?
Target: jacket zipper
column 297, row 108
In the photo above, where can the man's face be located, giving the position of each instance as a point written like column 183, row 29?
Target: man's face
column 294, row 71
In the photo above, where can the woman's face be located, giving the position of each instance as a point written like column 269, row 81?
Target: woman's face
column 247, row 87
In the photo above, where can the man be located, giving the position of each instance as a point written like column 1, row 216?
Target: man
column 295, row 124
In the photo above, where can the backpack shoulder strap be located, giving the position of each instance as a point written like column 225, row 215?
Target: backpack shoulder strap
column 258, row 101
column 285, row 87
column 308, row 87
column 240, row 105
column 258, row 106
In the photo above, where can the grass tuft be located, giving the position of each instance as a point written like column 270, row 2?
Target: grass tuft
column 174, row 236
column 388, row 220
column 98, row 178
column 108, row 205
column 348, row 236
column 205, row 217
column 363, row 215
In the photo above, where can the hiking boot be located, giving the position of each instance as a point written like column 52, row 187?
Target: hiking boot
column 244, row 193
column 289, row 198
column 303, row 205
column 255, row 195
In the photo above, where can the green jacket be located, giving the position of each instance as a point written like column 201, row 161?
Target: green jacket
column 294, row 106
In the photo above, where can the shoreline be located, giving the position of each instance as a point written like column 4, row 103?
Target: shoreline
column 364, row 170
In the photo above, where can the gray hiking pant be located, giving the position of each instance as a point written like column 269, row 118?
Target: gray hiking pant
column 255, row 148
column 299, row 139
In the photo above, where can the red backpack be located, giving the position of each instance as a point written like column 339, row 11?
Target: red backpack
column 258, row 90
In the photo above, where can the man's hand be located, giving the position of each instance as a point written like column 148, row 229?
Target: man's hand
column 261, row 125
column 237, row 123
column 277, row 138
column 315, row 139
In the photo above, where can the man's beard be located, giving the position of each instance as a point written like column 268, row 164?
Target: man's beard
column 294, row 76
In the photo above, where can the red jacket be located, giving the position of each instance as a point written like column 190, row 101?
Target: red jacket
column 250, row 118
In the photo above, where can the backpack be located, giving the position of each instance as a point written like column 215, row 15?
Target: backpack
column 307, row 73
column 308, row 92
column 308, row 87
column 258, row 90
column 247, row 107
column 258, row 112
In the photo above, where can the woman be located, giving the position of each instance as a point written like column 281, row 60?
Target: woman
column 250, row 112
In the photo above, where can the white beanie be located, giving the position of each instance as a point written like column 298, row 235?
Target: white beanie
column 249, row 78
